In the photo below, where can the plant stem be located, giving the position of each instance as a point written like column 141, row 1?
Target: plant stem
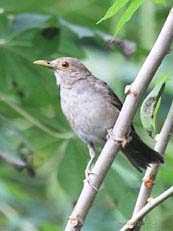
column 147, row 208
column 19, row 164
column 151, row 172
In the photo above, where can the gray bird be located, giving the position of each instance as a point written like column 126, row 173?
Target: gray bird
column 92, row 108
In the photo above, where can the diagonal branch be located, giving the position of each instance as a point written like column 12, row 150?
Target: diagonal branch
column 112, row 146
column 151, row 173
column 147, row 208
column 19, row 164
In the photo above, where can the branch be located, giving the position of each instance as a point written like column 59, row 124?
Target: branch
column 19, row 164
column 123, row 123
column 127, row 47
column 151, row 173
column 147, row 208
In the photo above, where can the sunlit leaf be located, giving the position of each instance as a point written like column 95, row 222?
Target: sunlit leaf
column 134, row 5
column 159, row 1
column 114, row 9
column 151, row 104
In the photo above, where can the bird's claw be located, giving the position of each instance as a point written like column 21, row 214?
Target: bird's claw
column 87, row 179
column 122, row 140
column 109, row 134
column 126, row 139
column 88, row 171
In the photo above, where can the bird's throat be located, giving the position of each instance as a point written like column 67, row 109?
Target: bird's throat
column 58, row 78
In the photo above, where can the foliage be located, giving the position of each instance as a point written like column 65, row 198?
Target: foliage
column 131, row 8
column 151, row 104
column 33, row 128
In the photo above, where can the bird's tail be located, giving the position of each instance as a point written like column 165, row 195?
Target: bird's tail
column 139, row 154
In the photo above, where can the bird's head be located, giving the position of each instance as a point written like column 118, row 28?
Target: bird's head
column 66, row 69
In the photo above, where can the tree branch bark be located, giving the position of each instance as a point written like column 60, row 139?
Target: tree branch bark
column 123, row 123
column 151, row 173
column 147, row 208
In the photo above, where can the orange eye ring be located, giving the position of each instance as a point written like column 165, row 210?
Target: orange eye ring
column 65, row 64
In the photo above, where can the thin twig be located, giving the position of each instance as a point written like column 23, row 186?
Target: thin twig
column 19, row 164
column 127, row 47
column 151, row 173
column 112, row 146
column 147, row 208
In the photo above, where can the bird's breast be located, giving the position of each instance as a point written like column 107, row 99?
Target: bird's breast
column 89, row 114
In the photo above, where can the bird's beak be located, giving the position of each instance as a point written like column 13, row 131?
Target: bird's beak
column 43, row 63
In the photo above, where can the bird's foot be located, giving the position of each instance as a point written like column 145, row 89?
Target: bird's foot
column 87, row 179
column 122, row 140
column 125, row 140
column 109, row 134
column 88, row 171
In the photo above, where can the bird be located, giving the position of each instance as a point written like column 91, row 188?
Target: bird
column 92, row 108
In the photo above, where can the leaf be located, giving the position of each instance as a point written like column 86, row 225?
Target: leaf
column 118, row 176
column 72, row 166
column 48, row 226
column 81, row 31
column 27, row 21
column 159, row 1
column 13, row 145
column 113, row 9
column 69, row 44
column 151, row 104
column 134, row 5
column 41, row 156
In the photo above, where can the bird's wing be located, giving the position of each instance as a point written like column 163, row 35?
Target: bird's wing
column 103, row 88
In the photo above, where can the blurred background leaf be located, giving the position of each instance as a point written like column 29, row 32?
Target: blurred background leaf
column 33, row 128
column 151, row 105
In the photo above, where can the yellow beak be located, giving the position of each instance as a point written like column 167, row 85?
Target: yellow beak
column 43, row 63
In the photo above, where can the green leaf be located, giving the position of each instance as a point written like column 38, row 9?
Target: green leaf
column 151, row 104
column 48, row 226
column 42, row 155
column 134, row 5
column 113, row 9
column 27, row 21
column 14, row 144
column 159, row 1
column 81, row 31
column 71, row 168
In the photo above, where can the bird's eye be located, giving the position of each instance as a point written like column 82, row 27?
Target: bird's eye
column 65, row 64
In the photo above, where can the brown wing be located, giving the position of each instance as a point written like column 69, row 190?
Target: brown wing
column 103, row 88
